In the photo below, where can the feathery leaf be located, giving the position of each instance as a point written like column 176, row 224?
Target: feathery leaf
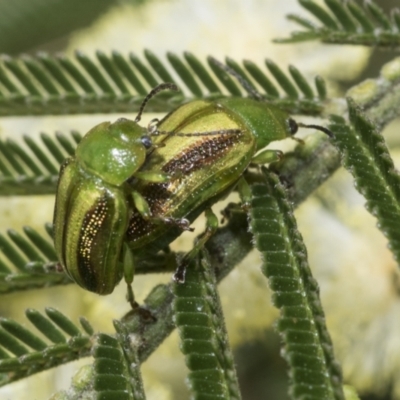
column 60, row 85
column 115, row 372
column 111, row 377
column 28, row 262
column 308, row 347
column 204, row 340
column 32, row 167
column 18, row 361
column 365, row 155
column 346, row 22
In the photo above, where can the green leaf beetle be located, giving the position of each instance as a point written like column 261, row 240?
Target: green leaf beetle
column 206, row 165
column 203, row 167
column 94, row 199
column 124, row 194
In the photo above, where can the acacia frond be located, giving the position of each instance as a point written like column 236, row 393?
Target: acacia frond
column 308, row 347
column 28, row 261
column 23, row 353
column 31, row 168
column 365, row 155
column 347, row 22
column 204, row 340
column 60, row 85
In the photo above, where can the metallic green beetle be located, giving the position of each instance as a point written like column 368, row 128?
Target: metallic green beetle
column 122, row 188
column 95, row 200
column 206, row 146
column 206, row 165
column 203, row 166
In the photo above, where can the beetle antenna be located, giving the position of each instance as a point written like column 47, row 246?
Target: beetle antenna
column 250, row 89
column 152, row 93
column 318, row 127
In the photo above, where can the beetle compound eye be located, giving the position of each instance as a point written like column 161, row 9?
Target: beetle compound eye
column 293, row 126
column 146, row 142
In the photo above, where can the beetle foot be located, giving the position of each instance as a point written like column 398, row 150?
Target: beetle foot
column 245, row 206
column 182, row 223
column 229, row 210
column 180, row 273
column 298, row 140
column 145, row 315
column 58, row 268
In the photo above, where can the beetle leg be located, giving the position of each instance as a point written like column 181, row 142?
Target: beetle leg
column 211, row 227
column 152, row 127
column 141, row 205
column 181, row 223
column 298, row 140
column 57, row 267
column 244, row 191
column 267, row 157
column 129, row 272
column 229, row 211
column 143, row 208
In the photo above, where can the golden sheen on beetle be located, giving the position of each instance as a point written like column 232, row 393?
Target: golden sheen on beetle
column 121, row 187
column 203, row 168
column 94, row 200
column 93, row 204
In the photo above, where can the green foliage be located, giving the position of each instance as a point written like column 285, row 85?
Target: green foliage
column 116, row 370
column 204, row 340
column 28, row 261
column 308, row 347
column 367, row 158
column 60, row 85
column 347, row 22
column 32, row 168
column 23, row 353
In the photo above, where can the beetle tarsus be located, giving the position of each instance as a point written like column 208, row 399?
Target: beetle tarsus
column 144, row 314
column 59, row 268
column 180, row 273
column 181, row 223
column 184, row 224
column 298, row 140
column 134, row 304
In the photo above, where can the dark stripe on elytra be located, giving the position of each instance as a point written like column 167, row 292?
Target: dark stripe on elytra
column 202, row 153
column 87, row 238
